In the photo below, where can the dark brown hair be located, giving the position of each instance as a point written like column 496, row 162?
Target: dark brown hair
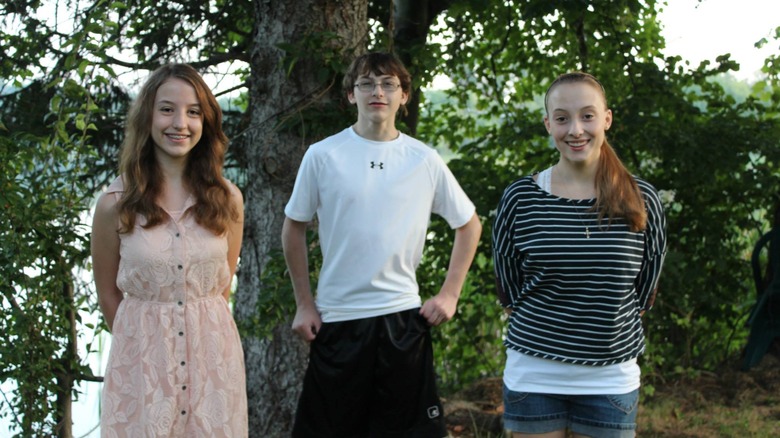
column 380, row 64
column 617, row 192
column 139, row 169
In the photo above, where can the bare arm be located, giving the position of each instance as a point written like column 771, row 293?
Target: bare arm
column 307, row 320
column 104, row 246
column 441, row 308
column 235, row 236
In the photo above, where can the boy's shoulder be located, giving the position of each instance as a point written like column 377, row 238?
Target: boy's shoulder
column 418, row 145
column 329, row 142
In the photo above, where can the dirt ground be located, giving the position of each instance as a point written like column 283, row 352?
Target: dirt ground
column 726, row 403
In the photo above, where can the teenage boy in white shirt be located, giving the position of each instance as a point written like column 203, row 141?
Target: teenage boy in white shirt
column 373, row 190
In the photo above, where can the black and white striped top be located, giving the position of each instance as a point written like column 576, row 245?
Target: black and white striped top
column 575, row 298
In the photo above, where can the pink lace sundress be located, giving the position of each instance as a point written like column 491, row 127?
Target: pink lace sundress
column 176, row 366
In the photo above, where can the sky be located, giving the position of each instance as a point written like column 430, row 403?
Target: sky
column 698, row 30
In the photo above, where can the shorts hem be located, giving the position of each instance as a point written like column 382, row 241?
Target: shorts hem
column 605, row 431
column 532, row 425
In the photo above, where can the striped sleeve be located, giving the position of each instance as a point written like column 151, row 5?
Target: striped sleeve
column 655, row 247
column 507, row 261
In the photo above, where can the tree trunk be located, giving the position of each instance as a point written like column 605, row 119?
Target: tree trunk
column 280, row 91
column 413, row 19
column 66, row 374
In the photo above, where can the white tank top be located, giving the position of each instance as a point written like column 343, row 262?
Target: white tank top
column 525, row 373
column 544, row 180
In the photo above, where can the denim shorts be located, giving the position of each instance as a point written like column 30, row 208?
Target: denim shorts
column 603, row 416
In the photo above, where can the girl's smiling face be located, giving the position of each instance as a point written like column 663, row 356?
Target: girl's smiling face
column 177, row 121
column 577, row 119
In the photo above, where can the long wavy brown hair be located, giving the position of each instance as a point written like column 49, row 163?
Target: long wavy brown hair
column 617, row 193
column 140, row 171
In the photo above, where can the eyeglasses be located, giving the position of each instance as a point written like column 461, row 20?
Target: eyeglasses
column 367, row 86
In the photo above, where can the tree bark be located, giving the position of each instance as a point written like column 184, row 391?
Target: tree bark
column 413, row 19
column 275, row 363
column 66, row 375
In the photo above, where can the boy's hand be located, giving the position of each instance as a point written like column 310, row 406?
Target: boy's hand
column 439, row 309
column 307, row 322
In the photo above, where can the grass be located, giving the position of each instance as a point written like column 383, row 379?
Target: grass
column 729, row 403
column 669, row 419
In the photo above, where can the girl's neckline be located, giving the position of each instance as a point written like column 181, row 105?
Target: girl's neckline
column 544, row 183
column 176, row 215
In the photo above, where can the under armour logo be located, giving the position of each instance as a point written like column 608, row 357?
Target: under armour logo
column 433, row 412
column 380, row 165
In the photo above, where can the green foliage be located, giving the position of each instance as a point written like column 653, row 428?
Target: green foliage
column 43, row 239
column 50, row 164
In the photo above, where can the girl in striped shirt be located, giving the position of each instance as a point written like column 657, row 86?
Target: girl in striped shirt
column 578, row 250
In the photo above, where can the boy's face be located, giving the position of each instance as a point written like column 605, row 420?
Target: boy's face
column 380, row 102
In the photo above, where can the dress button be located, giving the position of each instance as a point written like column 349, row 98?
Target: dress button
column 177, row 234
column 181, row 333
column 182, row 363
column 180, row 267
column 184, row 387
column 183, row 412
column 180, row 303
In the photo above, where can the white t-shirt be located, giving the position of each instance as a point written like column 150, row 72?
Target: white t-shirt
column 373, row 201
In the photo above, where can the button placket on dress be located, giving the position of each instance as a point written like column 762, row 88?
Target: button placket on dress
column 179, row 316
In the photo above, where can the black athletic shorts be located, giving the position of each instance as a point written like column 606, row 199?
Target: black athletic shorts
column 371, row 377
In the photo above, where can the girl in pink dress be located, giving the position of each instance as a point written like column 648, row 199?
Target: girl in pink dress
column 166, row 237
